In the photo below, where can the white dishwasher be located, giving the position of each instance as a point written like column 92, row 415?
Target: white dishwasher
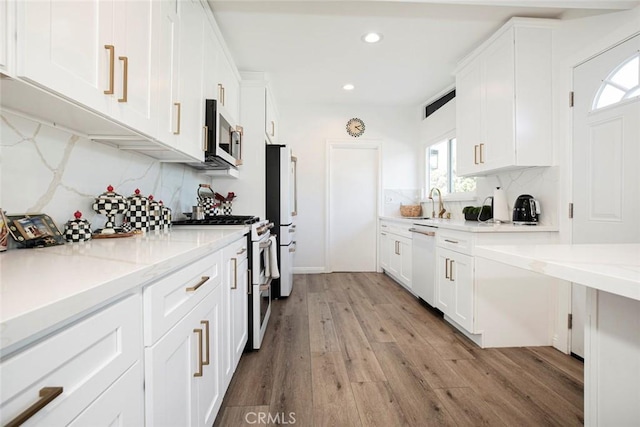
column 423, row 249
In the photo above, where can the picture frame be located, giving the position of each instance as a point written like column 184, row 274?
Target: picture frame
column 4, row 232
column 34, row 230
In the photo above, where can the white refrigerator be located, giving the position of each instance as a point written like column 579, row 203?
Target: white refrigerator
column 281, row 209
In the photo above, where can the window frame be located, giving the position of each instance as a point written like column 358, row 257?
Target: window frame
column 450, row 196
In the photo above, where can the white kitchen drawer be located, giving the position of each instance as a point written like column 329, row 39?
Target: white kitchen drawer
column 396, row 228
column 237, row 250
column 458, row 241
column 83, row 359
column 168, row 300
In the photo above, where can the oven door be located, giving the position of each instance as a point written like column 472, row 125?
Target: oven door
column 261, row 311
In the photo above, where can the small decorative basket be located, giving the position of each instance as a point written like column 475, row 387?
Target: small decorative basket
column 410, row 210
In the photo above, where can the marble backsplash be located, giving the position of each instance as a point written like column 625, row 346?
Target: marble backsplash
column 48, row 170
column 539, row 182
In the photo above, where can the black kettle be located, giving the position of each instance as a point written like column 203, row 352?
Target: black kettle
column 526, row 210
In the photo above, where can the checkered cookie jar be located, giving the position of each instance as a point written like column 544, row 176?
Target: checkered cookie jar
column 77, row 230
column 155, row 214
column 166, row 215
column 206, row 199
column 137, row 216
column 226, row 208
column 110, row 203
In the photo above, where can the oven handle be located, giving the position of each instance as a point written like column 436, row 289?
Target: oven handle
column 264, row 228
column 267, row 285
column 265, row 244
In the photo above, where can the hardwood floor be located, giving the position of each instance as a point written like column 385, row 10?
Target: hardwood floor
column 356, row 349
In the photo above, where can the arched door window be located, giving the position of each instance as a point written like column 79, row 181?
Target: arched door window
column 621, row 84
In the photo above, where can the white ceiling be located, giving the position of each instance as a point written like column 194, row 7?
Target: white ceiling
column 310, row 49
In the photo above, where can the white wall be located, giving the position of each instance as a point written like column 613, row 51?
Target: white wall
column 48, row 170
column 307, row 129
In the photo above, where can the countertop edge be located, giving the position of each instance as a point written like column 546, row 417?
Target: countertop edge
column 566, row 270
column 472, row 226
column 27, row 327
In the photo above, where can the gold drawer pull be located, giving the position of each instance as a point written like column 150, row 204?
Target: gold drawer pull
column 235, row 273
column 241, row 251
column 206, row 138
column 249, row 286
column 177, row 131
column 206, row 334
column 200, row 363
column 112, row 60
column 451, row 241
column 125, row 77
column 47, row 394
column 195, row 287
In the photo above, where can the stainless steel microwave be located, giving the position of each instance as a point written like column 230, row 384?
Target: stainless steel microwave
column 223, row 140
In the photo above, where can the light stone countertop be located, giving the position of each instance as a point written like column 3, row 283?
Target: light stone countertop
column 42, row 288
column 613, row 268
column 472, row 226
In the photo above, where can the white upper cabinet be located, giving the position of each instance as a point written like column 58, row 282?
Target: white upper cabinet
column 503, row 92
column 6, row 34
column 271, row 119
column 228, row 87
column 96, row 53
column 191, row 101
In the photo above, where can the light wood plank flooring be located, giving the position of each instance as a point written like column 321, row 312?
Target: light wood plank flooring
column 356, row 349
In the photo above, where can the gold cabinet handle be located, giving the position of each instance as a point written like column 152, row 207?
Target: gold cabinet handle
column 481, row 151
column 206, row 335
column 249, row 282
column 177, row 131
column 224, row 96
column 240, row 252
column 273, row 128
column 200, row 363
column 125, row 77
column 47, row 394
column 451, row 241
column 451, row 270
column 293, row 247
column 112, row 60
column 206, row 138
column 195, row 287
column 221, row 93
column 235, row 273
column 446, row 268
column 475, row 154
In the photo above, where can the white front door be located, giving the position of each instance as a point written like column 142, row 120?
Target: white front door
column 354, row 170
column 606, row 157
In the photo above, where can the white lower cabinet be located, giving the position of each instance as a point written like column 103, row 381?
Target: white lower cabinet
column 395, row 251
column 454, row 284
column 235, row 305
column 75, row 372
column 182, row 369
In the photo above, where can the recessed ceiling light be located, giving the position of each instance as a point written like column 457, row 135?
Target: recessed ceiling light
column 348, row 86
column 372, row 37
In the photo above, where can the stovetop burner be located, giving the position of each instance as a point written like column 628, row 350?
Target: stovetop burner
column 220, row 220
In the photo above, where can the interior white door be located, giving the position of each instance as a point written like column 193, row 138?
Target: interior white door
column 606, row 154
column 353, row 171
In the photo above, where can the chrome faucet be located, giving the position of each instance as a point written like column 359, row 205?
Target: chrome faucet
column 441, row 209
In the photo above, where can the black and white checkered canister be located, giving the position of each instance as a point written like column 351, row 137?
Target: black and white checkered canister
column 166, row 215
column 110, row 203
column 155, row 214
column 138, row 213
column 77, row 230
column 226, row 208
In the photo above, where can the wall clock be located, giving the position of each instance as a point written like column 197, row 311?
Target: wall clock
column 355, row 127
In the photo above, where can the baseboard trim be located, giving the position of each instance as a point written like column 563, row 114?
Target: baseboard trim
column 309, row 270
